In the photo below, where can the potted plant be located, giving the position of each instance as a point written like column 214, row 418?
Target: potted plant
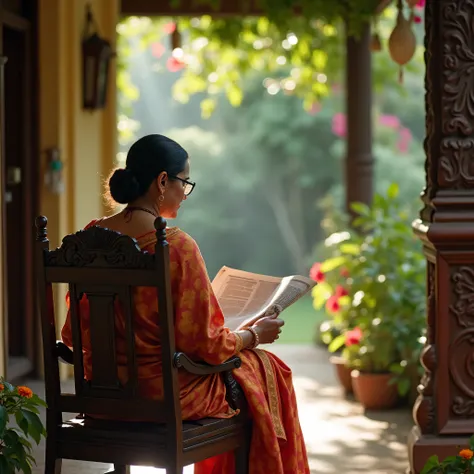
column 20, row 405
column 462, row 463
column 373, row 286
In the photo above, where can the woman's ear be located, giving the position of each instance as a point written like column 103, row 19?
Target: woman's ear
column 161, row 181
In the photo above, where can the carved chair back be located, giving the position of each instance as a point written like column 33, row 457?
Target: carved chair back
column 104, row 266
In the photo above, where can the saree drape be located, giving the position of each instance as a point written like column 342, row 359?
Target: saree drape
column 277, row 444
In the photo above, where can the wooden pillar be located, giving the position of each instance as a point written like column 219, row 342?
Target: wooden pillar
column 359, row 159
column 444, row 411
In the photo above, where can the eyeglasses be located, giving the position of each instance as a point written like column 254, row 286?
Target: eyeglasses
column 187, row 185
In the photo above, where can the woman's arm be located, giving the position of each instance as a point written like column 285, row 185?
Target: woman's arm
column 199, row 322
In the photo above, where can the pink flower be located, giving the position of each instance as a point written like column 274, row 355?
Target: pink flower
column 390, row 121
column 340, row 292
column 157, row 50
column 339, row 125
column 169, row 28
column 315, row 108
column 316, row 274
column 421, row 3
column 353, row 337
column 404, row 140
column 332, row 305
column 174, row 65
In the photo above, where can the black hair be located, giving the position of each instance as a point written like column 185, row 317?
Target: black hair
column 147, row 158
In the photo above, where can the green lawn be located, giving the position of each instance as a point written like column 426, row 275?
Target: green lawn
column 300, row 322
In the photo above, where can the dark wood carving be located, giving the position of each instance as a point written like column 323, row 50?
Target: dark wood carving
column 428, row 192
column 424, row 412
column 445, row 405
column 461, row 354
column 99, row 247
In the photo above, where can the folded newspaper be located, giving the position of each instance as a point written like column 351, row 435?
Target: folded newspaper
column 246, row 297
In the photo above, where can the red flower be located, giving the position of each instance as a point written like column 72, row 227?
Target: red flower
column 340, row 292
column 174, row 65
column 353, row 337
column 417, row 19
column 332, row 305
column 169, row 28
column 316, row 274
column 345, row 272
column 157, row 50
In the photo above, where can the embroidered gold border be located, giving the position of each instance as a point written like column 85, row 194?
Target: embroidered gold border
column 150, row 238
column 272, row 394
column 239, row 342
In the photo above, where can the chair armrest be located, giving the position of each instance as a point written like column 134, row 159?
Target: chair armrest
column 64, row 354
column 181, row 360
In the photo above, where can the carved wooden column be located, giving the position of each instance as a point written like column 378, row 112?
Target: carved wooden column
column 359, row 160
column 444, row 412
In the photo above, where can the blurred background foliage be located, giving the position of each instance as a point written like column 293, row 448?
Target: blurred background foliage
column 266, row 154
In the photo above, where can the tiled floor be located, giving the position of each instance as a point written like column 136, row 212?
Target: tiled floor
column 340, row 438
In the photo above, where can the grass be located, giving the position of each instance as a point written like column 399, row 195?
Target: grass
column 301, row 320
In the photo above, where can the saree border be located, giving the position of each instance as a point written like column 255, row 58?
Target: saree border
column 273, row 398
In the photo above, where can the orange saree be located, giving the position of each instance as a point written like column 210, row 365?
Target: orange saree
column 277, row 443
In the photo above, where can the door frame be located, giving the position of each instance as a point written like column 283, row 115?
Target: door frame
column 27, row 24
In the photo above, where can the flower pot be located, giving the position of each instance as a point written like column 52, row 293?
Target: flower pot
column 343, row 373
column 373, row 391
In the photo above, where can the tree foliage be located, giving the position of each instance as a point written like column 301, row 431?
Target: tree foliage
column 211, row 56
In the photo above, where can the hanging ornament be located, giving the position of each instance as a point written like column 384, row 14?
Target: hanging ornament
column 375, row 43
column 402, row 41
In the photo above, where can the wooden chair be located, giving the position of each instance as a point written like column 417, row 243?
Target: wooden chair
column 105, row 266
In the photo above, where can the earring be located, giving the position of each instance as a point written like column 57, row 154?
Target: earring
column 161, row 199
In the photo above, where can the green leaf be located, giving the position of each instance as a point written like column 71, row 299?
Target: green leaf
column 351, row 249
column 337, row 343
column 431, row 465
column 393, row 190
column 3, row 420
column 403, row 386
column 5, row 465
column 35, row 426
column 361, row 208
column 22, row 422
column 207, row 107
column 332, row 263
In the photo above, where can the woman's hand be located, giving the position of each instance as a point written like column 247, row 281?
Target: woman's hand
column 268, row 328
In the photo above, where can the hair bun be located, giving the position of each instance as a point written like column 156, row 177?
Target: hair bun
column 124, row 186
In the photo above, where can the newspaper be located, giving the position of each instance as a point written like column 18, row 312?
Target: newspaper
column 246, row 297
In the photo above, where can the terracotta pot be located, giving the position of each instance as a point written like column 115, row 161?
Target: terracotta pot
column 373, row 391
column 343, row 373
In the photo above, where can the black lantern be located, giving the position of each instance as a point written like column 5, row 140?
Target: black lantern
column 96, row 55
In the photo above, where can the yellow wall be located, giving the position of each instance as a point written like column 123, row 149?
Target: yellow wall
column 87, row 140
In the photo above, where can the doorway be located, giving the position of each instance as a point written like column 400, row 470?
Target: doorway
column 20, row 171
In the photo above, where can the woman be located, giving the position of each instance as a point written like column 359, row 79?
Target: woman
column 155, row 182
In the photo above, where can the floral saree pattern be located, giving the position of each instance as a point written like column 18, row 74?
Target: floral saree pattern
column 277, row 445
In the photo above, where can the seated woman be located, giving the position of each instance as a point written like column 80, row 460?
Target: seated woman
column 155, row 182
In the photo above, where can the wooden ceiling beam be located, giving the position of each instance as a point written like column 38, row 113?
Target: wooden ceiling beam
column 187, row 8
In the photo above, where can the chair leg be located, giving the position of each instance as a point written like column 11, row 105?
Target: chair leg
column 242, row 455
column 176, row 469
column 52, row 465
